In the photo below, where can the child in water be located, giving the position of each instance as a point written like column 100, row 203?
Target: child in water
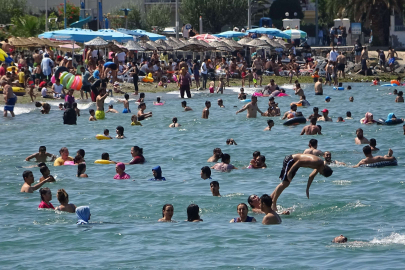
column 107, row 133
column 81, row 169
column 126, row 104
column 399, row 98
column 212, row 87
column 120, row 132
column 92, row 117
column 46, row 173
column 41, row 155
column 61, row 107
column 221, row 85
column 158, row 101
column 242, row 95
column 184, row 105
column 74, row 106
column 141, row 97
column 135, row 121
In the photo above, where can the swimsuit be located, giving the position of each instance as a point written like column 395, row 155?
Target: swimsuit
column 391, row 61
column 10, row 103
column 126, row 110
column 287, row 164
column 45, row 205
column 211, row 89
column 100, row 115
column 123, row 176
column 248, row 219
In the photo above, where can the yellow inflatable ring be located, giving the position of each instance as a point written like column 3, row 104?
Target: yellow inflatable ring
column 10, row 68
column 103, row 161
column 102, row 137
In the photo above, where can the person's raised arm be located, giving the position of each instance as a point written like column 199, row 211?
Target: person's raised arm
column 310, row 179
column 243, row 109
column 105, row 96
column 37, row 186
column 31, row 157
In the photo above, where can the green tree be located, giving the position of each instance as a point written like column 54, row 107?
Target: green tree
column 157, row 15
column 10, row 9
column 135, row 16
column 280, row 7
column 28, row 25
column 215, row 13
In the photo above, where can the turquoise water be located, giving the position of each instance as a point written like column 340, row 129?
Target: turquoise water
column 364, row 204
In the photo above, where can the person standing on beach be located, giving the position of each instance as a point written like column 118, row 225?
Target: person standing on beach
column 341, row 65
column 252, row 108
column 10, row 99
column 391, row 58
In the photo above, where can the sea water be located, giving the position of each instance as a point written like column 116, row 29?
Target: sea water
column 364, row 204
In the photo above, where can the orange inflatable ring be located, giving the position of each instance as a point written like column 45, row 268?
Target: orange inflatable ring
column 395, row 82
column 298, row 104
column 147, row 79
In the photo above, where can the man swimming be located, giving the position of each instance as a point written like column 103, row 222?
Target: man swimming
column 214, row 186
column 29, row 180
column 373, row 145
column 41, row 155
column 316, row 114
column 328, row 159
column 312, row 150
column 293, row 111
column 291, row 164
column 271, row 217
column 360, row 139
column 206, row 110
column 252, row 108
column 184, row 105
column 102, row 95
column 216, row 155
column 311, row 129
column 325, row 116
column 221, row 103
column 370, row 159
column 111, row 109
column 270, row 124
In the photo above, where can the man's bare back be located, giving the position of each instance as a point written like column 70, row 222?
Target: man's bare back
column 318, row 88
column 313, row 151
column 311, row 130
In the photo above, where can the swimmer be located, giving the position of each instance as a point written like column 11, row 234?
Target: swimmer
column 126, row 104
column 251, row 108
column 92, row 115
column 117, row 89
column 254, row 202
column 231, row 142
column 221, row 103
column 340, row 119
column 111, row 109
column 193, row 213
column 46, row 173
column 64, row 156
column 205, row 173
column 224, row 165
column 137, row 155
column 360, row 139
column 46, row 198
column 61, row 107
column 312, row 150
column 311, row 129
column 106, row 156
column 63, row 199
column 351, row 99
column 242, row 210
column 242, row 95
column 253, row 161
column 325, row 116
column 45, row 107
column 134, row 121
column 348, row 115
column 102, row 95
column 141, row 112
column 158, row 101
column 83, row 215
column 316, row 114
column 318, row 87
column 298, row 90
column 291, row 164
column 184, row 105
column 214, row 186
column 271, row 217
column 327, row 99
column 174, row 124
column 370, row 159
column 349, row 88
column 41, row 155
column 339, row 239
column 157, row 174
column 260, row 163
column 373, row 144
column 81, row 152
column 107, row 133
column 368, row 119
column 29, row 180
column 120, row 132
column 328, row 159
column 206, row 110
column 270, row 124
column 81, row 169
column 217, row 153
column 167, row 213
column 74, row 107
column 121, row 174
column 78, row 160
column 399, row 98
column 141, row 98
column 292, row 111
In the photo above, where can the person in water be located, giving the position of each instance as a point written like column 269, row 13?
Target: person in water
column 340, row 119
column 325, row 117
column 224, row 165
column 292, row 111
column 126, row 104
column 137, row 155
column 41, row 156
column 271, row 217
column 311, row 129
column 174, row 124
column 106, row 156
column 231, row 142
column 270, row 124
column 312, row 150
column 158, row 101
column 205, row 173
column 340, row 239
column 251, row 108
column 291, row 164
column 157, row 174
column 214, row 186
column 217, row 153
column 221, row 103
column 46, row 198
column 83, row 215
column 184, row 105
column 141, row 112
column 111, row 109
column 92, row 115
column 121, row 174
column 373, row 144
column 167, row 213
column 107, row 133
column 370, row 159
column 316, row 114
column 368, row 119
column 206, row 110
column 254, row 202
column 360, row 139
column 242, row 210
column 28, row 177
column 328, row 159
column 63, row 199
column 392, row 118
column 242, row 95
column 81, row 170
column 141, row 98
column 64, row 156
column 102, row 95
column 134, row 121
column 193, row 213
column 400, row 98
column 45, row 174
column 120, row 132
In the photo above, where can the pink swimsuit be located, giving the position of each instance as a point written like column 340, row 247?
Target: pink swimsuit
column 123, row 176
column 45, row 205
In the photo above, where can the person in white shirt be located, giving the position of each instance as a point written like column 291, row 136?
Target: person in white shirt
column 333, row 55
column 185, row 31
column 121, row 57
column 44, row 93
column 57, row 89
column 204, row 73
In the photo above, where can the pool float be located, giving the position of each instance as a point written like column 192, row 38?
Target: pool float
column 295, row 121
column 246, row 100
column 147, row 79
column 18, row 91
column 102, row 137
column 257, row 94
column 62, row 75
column 296, row 103
column 158, row 104
column 103, row 161
column 395, row 82
column 389, row 85
column 66, row 79
column 338, row 88
column 10, row 68
column 391, row 123
column 61, row 70
column 76, row 82
column 381, row 164
column 282, row 95
column 79, row 85
column 69, row 163
column 70, row 82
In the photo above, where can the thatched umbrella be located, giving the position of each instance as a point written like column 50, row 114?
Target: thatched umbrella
column 156, row 45
column 272, row 42
column 221, row 46
column 233, row 44
column 258, row 43
column 97, row 42
column 164, row 44
column 194, row 46
column 176, row 41
column 244, row 41
column 133, row 46
column 147, row 46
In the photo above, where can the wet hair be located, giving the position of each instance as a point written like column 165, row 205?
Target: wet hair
column 110, row 106
column 340, row 119
column 193, row 212
column 43, row 169
column 158, row 99
column 217, row 150
column 256, row 154
column 142, row 95
column 81, row 152
column 400, row 93
column 140, row 105
column 106, row 131
column 327, row 171
column 313, row 121
column 184, row 103
column 269, row 122
column 164, row 208
column 207, row 102
column 315, row 109
column 266, row 200
column 62, row 196
column 303, row 97
column 42, row 149
column 80, row 169
column 126, row 96
column 298, row 85
column 120, row 130
column 43, row 191
column 206, row 170
column 313, row 142
column 348, row 114
column 271, row 99
column 67, row 105
column 74, row 105
column 174, row 120
column 91, row 111
column 105, row 156
column 138, row 149
column 26, row 174
column 38, row 104
column 320, row 127
column 77, row 158
column 395, row 92
column 359, row 129
column 244, row 204
column 225, row 157
column 214, row 183
column 373, row 142
column 262, row 158
column 250, row 200
column 63, row 149
column 349, row 87
column 293, row 106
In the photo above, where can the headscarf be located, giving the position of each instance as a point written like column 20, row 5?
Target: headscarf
column 83, row 214
column 121, row 166
column 389, row 117
column 367, row 118
column 159, row 177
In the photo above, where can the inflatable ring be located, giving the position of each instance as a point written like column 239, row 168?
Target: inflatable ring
column 69, row 163
column 395, row 82
column 66, row 79
column 296, row 103
column 70, row 82
column 246, row 100
column 389, row 85
column 382, row 122
column 102, row 137
column 73, row 86
column 338, row 88
column 62, row 75
column 158, row 104
column 381, row 164
column 295, row 121
column 79, row 85
column 10, row 68
column 282, row 95
column 257, row 94
column 147, row 79
column 103, row 161
column 18, row 91
column 61, row 70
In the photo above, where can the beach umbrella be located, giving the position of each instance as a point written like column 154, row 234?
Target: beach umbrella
column 272, row 42
column 156, row 45
column 245, row 41
column 233, row 44
column 258, row 43
column 147, row 46
column 230, row 34
column 195, row 46
column 110, row 35
column 171, row 44
column 164, row 44
column 97, row 42
column 221, row 46
column 133, row 46
column 205, row 37
column 76, row 34
column 269, row 31
column 296, row 34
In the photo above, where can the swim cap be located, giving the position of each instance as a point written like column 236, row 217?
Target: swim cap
column 121, row 166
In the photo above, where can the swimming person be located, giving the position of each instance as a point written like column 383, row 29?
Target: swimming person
column 311, row 129
column 251, row 108
column 370, row 159
column 81, row 169
column 28, row 177
column 206, row 110
column 121, row 174
column 340, row 239
column 271, row 217
column 348, row 115
column 126, row 104
column 270, row 124
column 41, row 155
column 224, row 165
column 63, row 199
column 242, row 210
column 205, row 173
column 46, row 198
column 291, row 164
column 174, row 124
column 254, row 202
column 92, row 115
column 328, row 159
column 137, row 155
column 312, row 150
column 217, row 153
column 360, row 139
column 373, row 144
column 231, row 142
column 45, row 174
column 64, row 156
column 158, row 101
column 184, row 105
column 221, row 103
column 111, row 109
column 214, row 186
column 325, row 116
column 391, row 118
column 157, row 174
column 83, row 215
column 167, row 213
column 368, row 119
column 120, row 132
column 141, row 112
column 315, row 115
column 193, row 213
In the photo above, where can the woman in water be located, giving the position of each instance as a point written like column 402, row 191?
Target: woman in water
column 120, row 132
column 83, row 215
column 368, row 119
column 157, row 174
column 121, row 174
column 174, row 124
column 63, row 199
column 81, row 169
column 137, row 155
column 167, row 213
column 46, row 198
column 243, row 217
column 193, row 213
column 225, row 165
column 141, row 98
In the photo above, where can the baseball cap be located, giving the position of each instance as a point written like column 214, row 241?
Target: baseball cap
column 325, row 110
column 70, row 59
column 327, row 97
column 66, row 57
